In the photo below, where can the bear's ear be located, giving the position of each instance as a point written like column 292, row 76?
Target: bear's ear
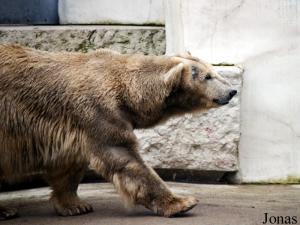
column 173, row 76
column 187, row 55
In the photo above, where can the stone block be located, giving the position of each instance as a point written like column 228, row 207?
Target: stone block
column 125, row 39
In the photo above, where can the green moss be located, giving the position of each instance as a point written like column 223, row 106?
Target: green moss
column 39, row 34
column 85, row 46
column 116, row 22
column 63, row 40
column 38, row 45
column 288, row 180
column 223, row 64
column 2, row 34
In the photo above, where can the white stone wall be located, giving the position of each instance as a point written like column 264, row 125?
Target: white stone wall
column 264, row 37
column 111, row 12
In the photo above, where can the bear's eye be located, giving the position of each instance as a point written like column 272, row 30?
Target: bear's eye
column 195, row 72
column 208, row 77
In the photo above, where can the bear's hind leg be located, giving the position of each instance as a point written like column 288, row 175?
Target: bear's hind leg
column 7, row 213
column 64, row 196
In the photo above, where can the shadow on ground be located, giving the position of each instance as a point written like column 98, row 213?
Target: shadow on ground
column 219, row 205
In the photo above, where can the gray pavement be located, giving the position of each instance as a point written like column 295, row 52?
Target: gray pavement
column 219, row 205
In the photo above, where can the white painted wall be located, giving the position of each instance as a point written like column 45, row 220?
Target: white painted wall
column 264, row 37
column 111, row 12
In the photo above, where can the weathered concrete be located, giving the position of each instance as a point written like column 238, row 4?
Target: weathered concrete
column 125, row 39
column 263, row 36
column 111, row 12
column 204, row 141
column 219, row 205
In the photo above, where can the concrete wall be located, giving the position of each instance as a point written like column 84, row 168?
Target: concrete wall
column 111, row 12
column 264, row 37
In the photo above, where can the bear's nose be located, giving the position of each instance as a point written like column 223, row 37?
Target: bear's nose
column 232, row 93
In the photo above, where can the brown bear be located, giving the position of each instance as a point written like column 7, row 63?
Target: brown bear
column 61, row 113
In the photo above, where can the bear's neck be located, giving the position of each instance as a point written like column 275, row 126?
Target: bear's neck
column 180, row 102
column 176, row 104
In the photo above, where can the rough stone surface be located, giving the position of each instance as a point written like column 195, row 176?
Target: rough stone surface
column 219, row 205
column 125, row 39
column 205, row 141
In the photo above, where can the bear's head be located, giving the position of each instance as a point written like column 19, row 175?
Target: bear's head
column 195, row 86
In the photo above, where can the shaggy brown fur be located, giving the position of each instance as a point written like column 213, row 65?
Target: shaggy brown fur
column 63, row 112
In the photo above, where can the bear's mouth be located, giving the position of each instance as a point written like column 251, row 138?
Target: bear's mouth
column 221, row 101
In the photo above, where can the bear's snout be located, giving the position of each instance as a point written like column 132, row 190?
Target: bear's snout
column 232, row 93
column 225, row 100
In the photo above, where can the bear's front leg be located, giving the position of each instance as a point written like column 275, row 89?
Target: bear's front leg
column 64, row 183
column 138, row 183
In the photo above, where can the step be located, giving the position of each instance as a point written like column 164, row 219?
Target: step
column 125, row 39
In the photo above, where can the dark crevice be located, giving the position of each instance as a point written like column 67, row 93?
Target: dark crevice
column 175, row 175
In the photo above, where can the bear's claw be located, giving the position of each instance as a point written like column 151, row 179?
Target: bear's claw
column 8, row 213
column 180, row 205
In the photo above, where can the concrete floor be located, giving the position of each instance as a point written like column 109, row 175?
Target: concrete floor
column 219, row 205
